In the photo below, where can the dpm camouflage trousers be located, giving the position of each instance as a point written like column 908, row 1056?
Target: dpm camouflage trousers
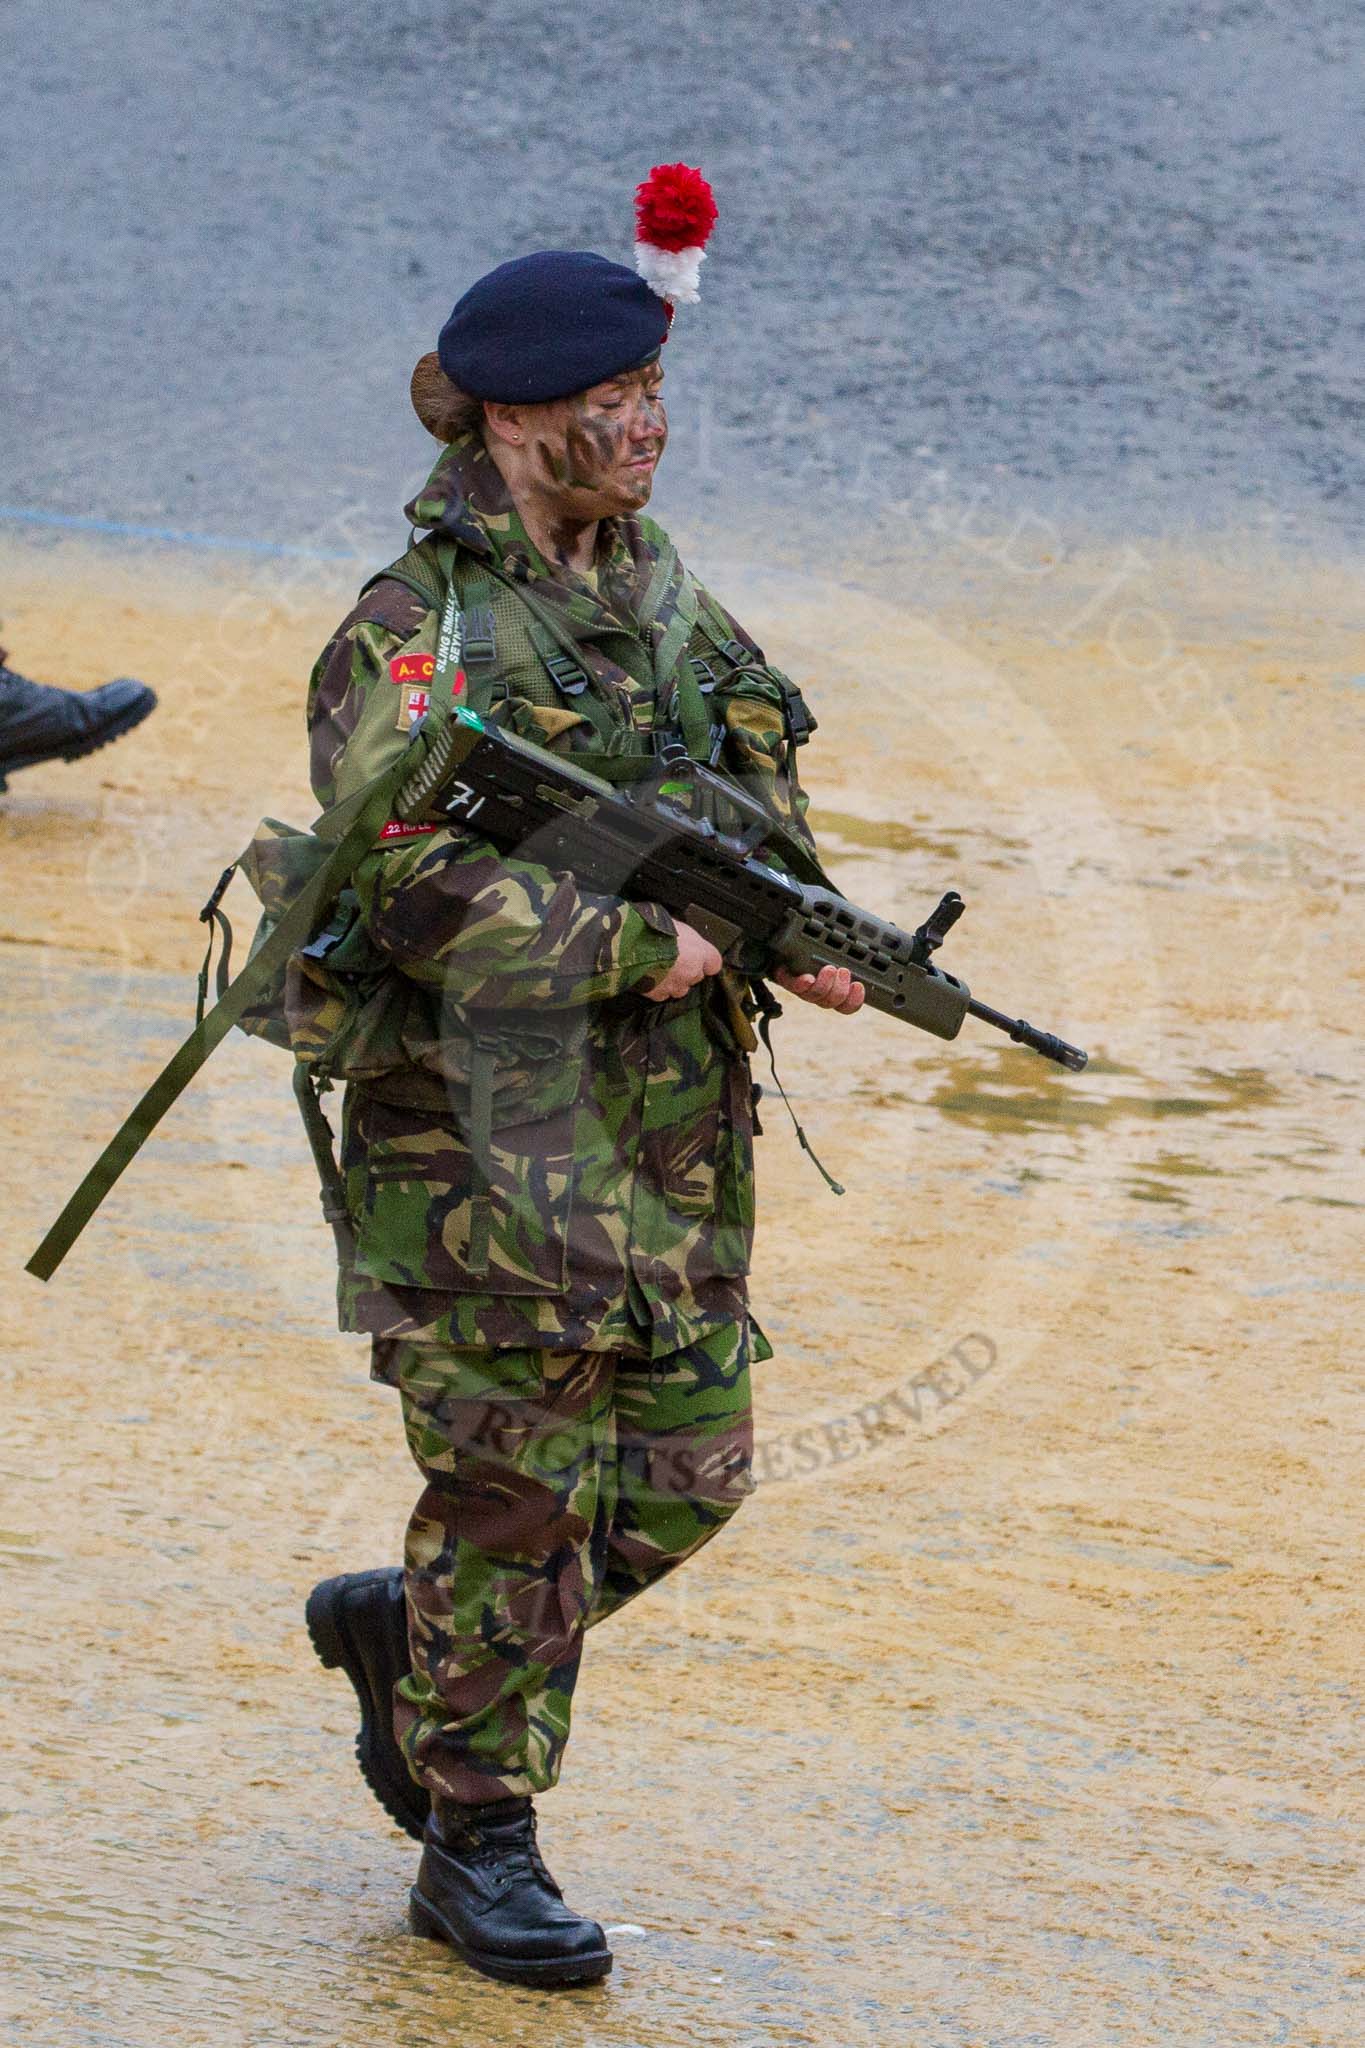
column 558, row 1485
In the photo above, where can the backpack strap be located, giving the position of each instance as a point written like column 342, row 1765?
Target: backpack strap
column 418, row 571
column 678, row 696
column 466, row 639
column 433, row 573
column 677, row 686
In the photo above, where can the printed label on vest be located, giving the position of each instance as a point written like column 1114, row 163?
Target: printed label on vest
column 397, row 829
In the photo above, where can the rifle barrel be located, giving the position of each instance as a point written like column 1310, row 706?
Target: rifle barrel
column 1045, row 1042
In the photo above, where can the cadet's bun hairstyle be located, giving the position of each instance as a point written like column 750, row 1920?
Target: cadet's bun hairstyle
column 444, row 410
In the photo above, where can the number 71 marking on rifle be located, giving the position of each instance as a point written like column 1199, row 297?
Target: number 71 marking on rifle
column 458, row 799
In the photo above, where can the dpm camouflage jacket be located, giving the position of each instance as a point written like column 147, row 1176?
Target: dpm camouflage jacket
column 618, row 1189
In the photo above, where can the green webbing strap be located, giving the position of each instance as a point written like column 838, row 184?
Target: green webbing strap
column 449, row 637
column 369, row 811
column 465, row 638
column 673, row 674
column 463, row 596
column 218, row 923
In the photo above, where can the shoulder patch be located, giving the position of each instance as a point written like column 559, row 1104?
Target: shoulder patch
column 414, row 703
column 412, row 668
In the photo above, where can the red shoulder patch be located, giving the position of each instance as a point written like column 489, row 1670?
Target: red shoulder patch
column 412, row 668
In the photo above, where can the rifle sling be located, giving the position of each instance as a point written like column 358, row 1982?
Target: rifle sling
column 369, row 812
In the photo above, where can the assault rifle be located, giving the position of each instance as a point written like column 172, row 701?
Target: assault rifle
column 528, row 801
column 647, row 846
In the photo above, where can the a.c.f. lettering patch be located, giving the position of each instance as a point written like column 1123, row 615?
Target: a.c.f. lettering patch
column 412, row 668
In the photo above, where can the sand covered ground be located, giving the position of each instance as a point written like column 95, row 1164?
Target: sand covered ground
column 1018, row 1706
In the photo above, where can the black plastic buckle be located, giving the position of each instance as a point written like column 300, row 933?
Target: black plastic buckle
column 705, row 674
column 735, row 652
column 478, row 646
column 329, row 938
column 219, row 891
column 800, row 721
column 568, row 675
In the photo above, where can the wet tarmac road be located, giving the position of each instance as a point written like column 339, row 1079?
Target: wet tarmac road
column 1099, row 266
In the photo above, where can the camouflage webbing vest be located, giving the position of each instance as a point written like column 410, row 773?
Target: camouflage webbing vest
column 314, row 982
column 338, row 1005
column 515, row 648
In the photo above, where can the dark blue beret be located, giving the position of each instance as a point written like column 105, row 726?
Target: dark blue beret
column 547, row 325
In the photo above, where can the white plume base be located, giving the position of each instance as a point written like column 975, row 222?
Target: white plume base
column 672, row 273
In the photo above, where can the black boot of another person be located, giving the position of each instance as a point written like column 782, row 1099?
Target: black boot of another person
column 484, row 1888
column 358, row 1623
column 39, row 722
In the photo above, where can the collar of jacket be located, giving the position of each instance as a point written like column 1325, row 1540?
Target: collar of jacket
column 465, row 499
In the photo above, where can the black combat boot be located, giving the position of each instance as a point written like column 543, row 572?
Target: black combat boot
column 484, row 1888
column 359, row 1622
column 41, row 723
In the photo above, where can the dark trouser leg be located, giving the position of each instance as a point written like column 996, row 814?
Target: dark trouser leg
column 558, row 1486
column 683, row 1450
column 503, row 1552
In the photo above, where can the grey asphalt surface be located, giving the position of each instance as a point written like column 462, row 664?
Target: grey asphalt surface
column 1101, row 264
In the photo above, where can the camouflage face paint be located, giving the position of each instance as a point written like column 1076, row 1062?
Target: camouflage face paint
column 594, row 447
column 607, row 440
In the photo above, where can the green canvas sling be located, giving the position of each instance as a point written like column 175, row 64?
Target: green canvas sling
column 345, row 836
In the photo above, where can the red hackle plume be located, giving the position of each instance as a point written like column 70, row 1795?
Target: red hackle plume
column 674, row 208
column 674, row 213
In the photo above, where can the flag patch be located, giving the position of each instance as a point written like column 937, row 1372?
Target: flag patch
column 414, row 703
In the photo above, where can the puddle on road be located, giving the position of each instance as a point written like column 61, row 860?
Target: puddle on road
column 1008, row 1092
column 1151, row 1181
column 894, row 835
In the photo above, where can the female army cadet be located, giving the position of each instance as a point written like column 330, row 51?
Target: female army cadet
column 549, row 1170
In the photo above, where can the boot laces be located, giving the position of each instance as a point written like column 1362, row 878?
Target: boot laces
column 519, row 1855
